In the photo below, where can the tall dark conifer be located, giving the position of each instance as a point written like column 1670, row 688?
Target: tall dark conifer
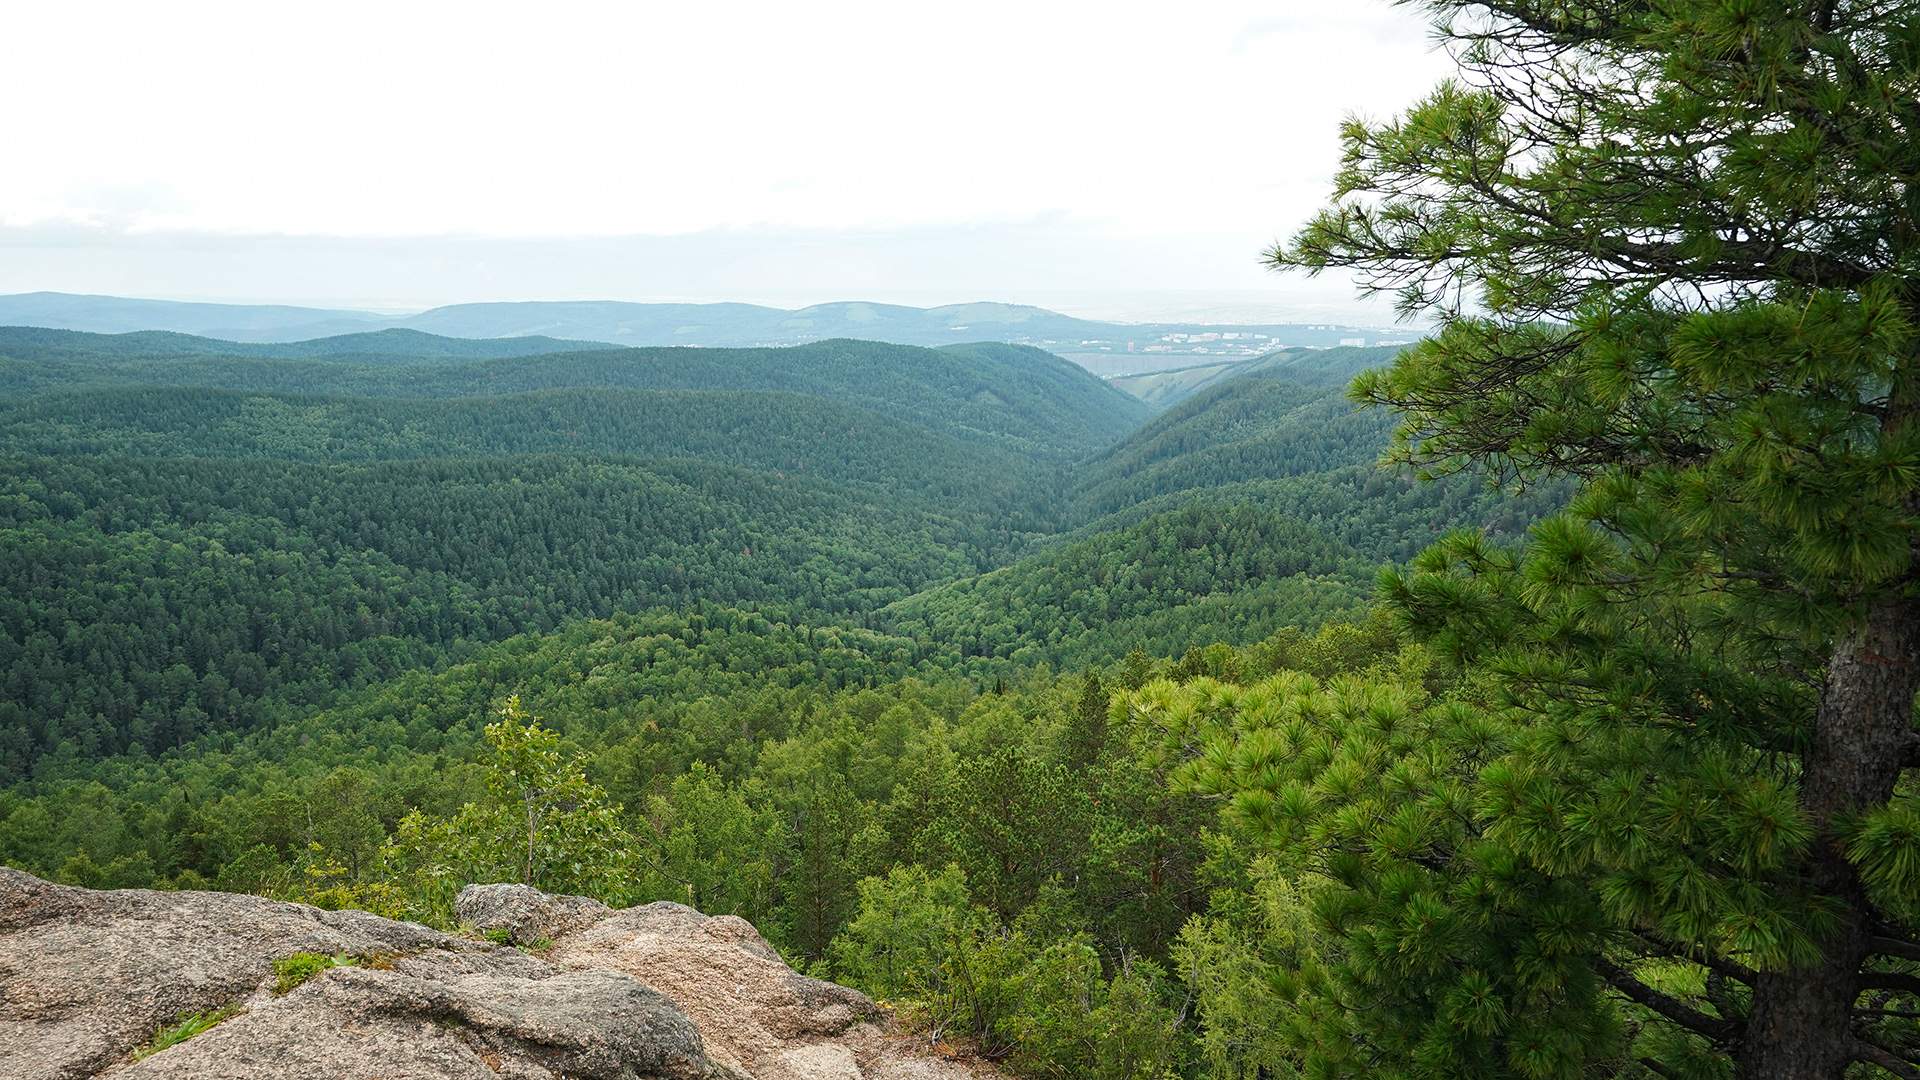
column 1675, row 250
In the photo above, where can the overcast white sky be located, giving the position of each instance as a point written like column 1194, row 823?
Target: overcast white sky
column 405, row 154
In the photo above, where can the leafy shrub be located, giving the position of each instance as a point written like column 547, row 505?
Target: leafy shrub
column 909, row 922
column 1045, row 1005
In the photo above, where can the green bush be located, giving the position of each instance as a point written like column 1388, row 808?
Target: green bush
column 908, row 924
column 1042, row 1004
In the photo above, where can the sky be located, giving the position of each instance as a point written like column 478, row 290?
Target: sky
column 1113, row 159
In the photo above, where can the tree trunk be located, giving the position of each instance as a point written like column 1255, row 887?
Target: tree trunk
column 531, row 829
column 1800, row 1025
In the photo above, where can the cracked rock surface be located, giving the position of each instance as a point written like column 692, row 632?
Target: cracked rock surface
column 757, row 1017
column 658, row 992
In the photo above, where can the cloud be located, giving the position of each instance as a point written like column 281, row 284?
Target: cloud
column 1103, row 145
column 365, row 118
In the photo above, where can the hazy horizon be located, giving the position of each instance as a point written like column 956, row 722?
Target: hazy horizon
column 1120, row 308
column 407, row 275
column 1119, row 168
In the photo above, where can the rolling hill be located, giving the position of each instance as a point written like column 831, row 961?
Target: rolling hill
column 1168, row 387
column 407, row 498
column 208, row 538
column 1283, row 415
column 1159, row 389
column 709, row 325
column 1217, row 571
column 138, row 347
column 783, row 434
column 998, row 392
column 120, row 314
column 1253, row 504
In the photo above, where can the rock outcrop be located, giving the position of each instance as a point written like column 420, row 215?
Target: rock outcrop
column 89, row 981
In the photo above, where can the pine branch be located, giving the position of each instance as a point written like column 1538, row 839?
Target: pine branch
column 1890, row 980
column 1671, row 1008
column 1744, row 262
column 1658, row 1069
column 1910, row 752
column 1719, row 965
column 1887, row 945
column 1874, row 1054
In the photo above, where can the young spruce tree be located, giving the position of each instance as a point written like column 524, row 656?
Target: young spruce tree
column 1674, row 246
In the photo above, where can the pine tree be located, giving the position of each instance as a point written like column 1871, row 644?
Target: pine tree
column 1674, row 253
column 1085, row 738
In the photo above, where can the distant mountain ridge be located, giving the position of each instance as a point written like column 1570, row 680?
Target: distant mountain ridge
column 1131, row 346
column 1007, row 394
column 1168, row 387
column 390, row 344
column 234, row 322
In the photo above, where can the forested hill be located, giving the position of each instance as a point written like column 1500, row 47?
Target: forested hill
column 789, row 433
column 395, row 512
column 823, row 629
column 1006, row 392
column 1199, row 573
column 1163, row 389
column 990, row 502
column 715, row 325
column 1285, row 415
column 43, row 344
column 1254, row 504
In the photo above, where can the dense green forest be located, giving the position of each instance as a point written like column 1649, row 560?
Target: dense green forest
column 774, row 431
column 154, row 600
column 162, row 593
column 1201, row 572
column 1536, row 702
column 1005, row 394
column 165, row 595
column 814, row 633
column 1265, row 423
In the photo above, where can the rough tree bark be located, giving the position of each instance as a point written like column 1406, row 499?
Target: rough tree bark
column 1800, row 1025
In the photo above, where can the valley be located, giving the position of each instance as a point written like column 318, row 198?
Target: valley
column 1465, row 627
column 405, row 508
column 806, row 624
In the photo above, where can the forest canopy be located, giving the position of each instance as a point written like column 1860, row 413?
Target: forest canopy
column 1535, row 701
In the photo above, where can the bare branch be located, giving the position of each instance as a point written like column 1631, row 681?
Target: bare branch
column 1668, row 1007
